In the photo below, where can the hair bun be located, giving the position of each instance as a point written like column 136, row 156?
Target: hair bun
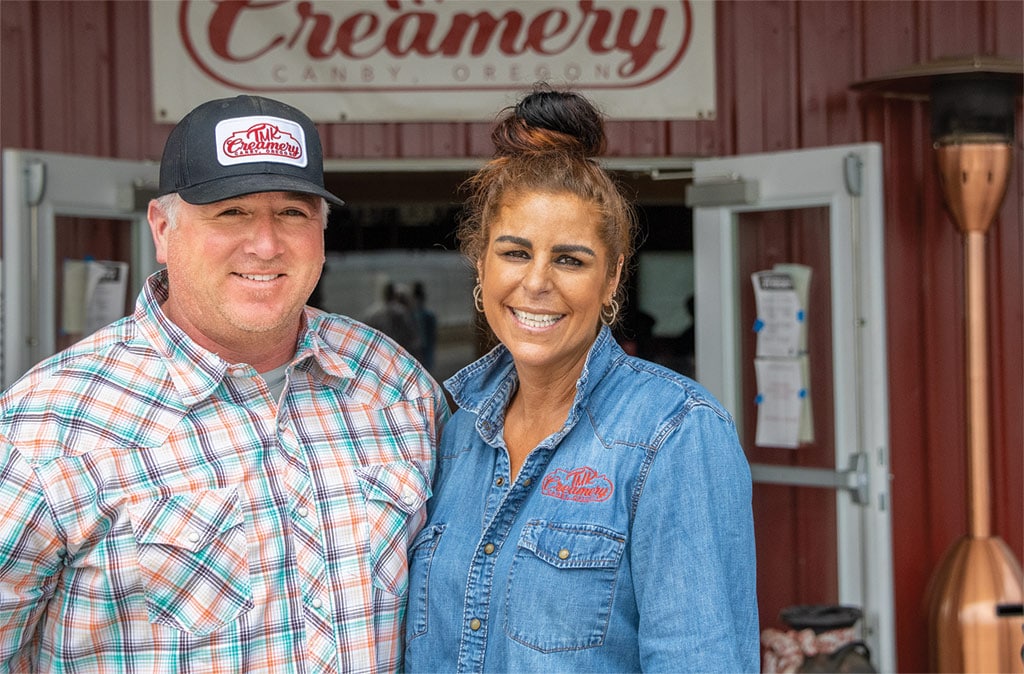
column 546, row 120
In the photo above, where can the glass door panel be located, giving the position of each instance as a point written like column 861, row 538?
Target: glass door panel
column 821, row 508
column 796, row 526
column 90, row 239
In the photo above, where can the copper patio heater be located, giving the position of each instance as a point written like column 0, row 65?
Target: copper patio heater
column 975, row 596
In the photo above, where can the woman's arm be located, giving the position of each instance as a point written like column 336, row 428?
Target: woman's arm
column 693, row 552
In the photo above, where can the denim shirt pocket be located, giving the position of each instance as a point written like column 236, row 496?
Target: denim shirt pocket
column 421, row 556
column 193, row 560
column 393, row 492
column 561, row 585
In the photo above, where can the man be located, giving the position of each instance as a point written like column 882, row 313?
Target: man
column 227, row 480
column 393, row 315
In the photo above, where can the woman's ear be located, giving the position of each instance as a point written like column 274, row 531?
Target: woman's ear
column 614, row 281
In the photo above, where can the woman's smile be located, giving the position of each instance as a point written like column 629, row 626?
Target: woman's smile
column 536, row 320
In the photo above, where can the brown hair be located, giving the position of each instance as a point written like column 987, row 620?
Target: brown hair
column 548, row 142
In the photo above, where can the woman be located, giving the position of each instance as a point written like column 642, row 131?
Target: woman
column 591, row 510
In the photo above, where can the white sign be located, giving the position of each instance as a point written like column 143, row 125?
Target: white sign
column 780, row 326
column 783, row 402
column 434, row 60
column 95, row 293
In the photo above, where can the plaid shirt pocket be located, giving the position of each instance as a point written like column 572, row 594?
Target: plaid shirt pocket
column 394, row 492
column 192, row 559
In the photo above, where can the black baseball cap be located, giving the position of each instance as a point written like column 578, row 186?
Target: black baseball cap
column 233, row 146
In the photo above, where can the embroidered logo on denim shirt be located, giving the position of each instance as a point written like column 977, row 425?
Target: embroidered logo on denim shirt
column 583, row 485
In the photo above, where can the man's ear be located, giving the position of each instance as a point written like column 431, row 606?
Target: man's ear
column 159, row 224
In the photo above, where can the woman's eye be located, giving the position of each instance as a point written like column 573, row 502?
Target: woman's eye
column 518, row 254
column 569, row 260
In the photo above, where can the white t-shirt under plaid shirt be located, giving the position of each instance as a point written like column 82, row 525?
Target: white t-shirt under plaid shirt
column 160, row 512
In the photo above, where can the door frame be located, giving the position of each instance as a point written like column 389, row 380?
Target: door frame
column 847, row 180
column 39, row 187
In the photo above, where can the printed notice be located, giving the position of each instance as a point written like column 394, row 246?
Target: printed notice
column 95, row 292
column 781, row 361
column 783, row 403
column 780, row 314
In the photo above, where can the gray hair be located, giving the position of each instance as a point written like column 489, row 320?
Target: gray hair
column 171, row 203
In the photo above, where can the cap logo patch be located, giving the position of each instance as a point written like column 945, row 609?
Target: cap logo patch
column 244, row 140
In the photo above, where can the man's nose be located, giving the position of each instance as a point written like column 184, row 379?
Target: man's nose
column 264, row 236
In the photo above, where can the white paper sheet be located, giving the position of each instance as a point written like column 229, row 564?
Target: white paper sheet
column 780, row 314
column 95, row 292
column 780, row 401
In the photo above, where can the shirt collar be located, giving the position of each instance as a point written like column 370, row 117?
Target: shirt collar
column 196, row 372
column 485, row 386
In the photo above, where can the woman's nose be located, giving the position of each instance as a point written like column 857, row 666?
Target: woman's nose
column 537, row 278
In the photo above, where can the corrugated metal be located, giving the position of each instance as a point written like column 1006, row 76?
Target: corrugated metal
column 76, row 78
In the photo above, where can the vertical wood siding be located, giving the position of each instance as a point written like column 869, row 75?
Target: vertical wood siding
column 76, row 78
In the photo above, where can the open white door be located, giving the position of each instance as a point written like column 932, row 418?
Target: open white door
column 821, row 208
column 42, row 191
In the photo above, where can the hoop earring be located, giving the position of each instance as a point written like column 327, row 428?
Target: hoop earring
column 478, row 299
column 610, row 313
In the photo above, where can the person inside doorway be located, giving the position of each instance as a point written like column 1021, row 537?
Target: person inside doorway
column 592, row 510
column 426, row 325
column 393, row 315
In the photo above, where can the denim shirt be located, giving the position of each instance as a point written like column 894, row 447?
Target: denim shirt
column 625, row 543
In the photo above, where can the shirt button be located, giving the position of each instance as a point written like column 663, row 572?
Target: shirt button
column 489, row 548
column 408, row 498
column 474, row 624
column 193, row 537
column 303, row 511
column 563, row 554
column 527, row 482
column 500, row 481
column 317, row 603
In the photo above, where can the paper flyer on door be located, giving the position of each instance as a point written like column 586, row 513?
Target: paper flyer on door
column 781, row 363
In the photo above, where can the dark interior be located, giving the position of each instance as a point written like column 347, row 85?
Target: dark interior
column 418, row 210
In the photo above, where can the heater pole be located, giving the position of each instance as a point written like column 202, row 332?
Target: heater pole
column 980, row 524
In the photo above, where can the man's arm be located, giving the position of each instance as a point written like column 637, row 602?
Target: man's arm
column 31, row 558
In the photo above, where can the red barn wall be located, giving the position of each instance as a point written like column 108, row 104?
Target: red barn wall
column 76, row 78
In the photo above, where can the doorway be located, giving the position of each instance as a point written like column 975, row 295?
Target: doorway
column 397, row 228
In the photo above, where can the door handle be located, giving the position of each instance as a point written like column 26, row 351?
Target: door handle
column 854, row 479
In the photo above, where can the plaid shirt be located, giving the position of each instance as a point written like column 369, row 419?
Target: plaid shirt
column 162, row 513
